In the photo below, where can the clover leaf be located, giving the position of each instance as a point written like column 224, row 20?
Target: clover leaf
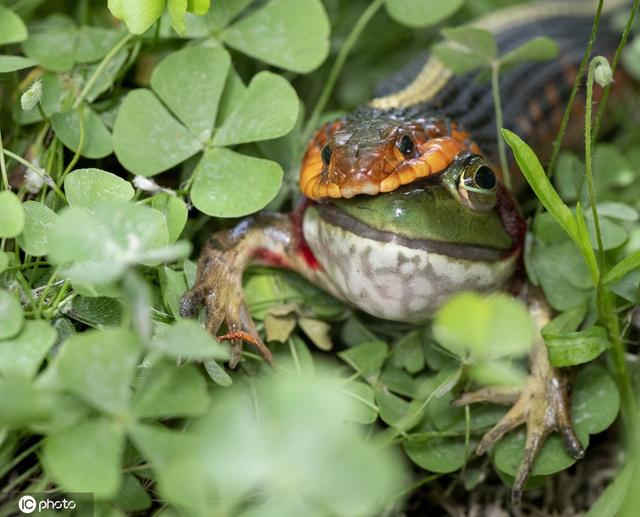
column 86, row 187
column 57, row 43
column 12, row 28
column 13, row 63
column 139, row 15
column 11, row 315
column 97, row 246
column 11, row 215
column 483, row 328
column 290, row 34
column 98, row 366
column 97, row 442
column 421, row 13
column 68, row 126
column 23, row 354
column 38, row 221
column 159, row 128
column 219, row 189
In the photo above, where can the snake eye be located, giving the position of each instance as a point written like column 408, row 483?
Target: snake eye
column 405, row 145
column 325, row 153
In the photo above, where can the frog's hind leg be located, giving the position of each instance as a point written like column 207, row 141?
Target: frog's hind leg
column 542, row 404
column 267, row 239
column 218, row 284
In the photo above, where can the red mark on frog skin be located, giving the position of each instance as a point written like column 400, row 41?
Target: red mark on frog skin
column 308, row 255
column 303, row 248
column 270, row 258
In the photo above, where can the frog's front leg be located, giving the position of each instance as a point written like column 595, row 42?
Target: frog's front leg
column 543, row 405
column 269, row 239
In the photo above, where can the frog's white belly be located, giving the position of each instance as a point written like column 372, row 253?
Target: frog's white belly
column 393, row 281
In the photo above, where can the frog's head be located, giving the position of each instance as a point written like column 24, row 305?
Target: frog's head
column 401, row 226
column 434, row 179
column 375, row 151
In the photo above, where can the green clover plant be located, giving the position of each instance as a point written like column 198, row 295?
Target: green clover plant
column 150, row 138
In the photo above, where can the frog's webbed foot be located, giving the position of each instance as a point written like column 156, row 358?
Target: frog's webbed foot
column 542, row 404
column 218, row 282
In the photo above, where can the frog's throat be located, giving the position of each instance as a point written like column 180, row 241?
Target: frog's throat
column 472, row 252
column 393, row 281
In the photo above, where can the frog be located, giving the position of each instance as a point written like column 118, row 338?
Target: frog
column 396, row 255
column 403, row 206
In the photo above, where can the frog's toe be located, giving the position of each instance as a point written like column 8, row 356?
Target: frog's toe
column 543, row 405
column 547, row 412
column 497, row 395
column 190, row 302
column 219, row 288
column 241, row 329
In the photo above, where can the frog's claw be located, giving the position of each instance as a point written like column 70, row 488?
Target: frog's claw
column 543, row 404
column 219, row 286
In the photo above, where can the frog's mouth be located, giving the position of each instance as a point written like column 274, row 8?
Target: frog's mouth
column 473, row 252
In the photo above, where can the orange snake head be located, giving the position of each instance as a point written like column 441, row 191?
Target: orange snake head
column 374, row 151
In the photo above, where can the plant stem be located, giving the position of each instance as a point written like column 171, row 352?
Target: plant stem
column 497, row 104
column 353, row 36
column 35, row 169
column 3, row 166
column 21, row 478
column 17, row 459
column 557, row 143
column 606, row 306
column 103, row 64
column 52, row 309
column 589, row 165
column 45, row 292
column 76, row 156
column 614, row 64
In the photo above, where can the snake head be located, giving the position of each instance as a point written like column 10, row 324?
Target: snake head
column 373, row 151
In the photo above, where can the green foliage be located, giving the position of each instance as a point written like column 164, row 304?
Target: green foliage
column 468, row 48
column 140, row 15
column 86, row 187
column 573, row 225
column 84, row 132
column 106, row 389
column 11, row 215
column 12, row 28
column 11, row 316
column 56, row 43
column 148, row 140
column 476, row 328
column 98, row 245
column 302, row 29
column 595, row 405
column 574, row 348
column 421, row 13
column 14, row 63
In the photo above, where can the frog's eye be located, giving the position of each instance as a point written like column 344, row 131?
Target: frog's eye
column 478, row 186
column 405, row 145
column 325, row 153
column 484, row 178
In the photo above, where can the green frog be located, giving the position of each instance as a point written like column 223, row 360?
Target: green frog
column 403, row 207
